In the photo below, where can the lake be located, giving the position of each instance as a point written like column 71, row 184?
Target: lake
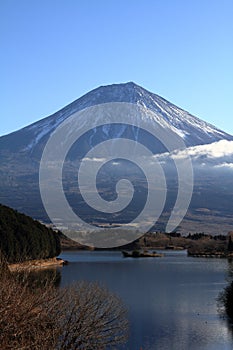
column 171, row 300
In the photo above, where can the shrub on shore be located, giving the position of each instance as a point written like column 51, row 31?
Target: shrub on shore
column 225, row 301
column 43, row 317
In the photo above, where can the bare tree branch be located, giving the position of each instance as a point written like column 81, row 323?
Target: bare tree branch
column 42, row 317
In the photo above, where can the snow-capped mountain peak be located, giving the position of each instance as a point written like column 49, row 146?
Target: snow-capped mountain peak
column 193, row 130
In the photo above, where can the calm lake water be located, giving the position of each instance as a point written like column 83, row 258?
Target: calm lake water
column 171, row 300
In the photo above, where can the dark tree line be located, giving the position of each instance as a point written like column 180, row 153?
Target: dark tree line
column 200, row 235
column 22, row 238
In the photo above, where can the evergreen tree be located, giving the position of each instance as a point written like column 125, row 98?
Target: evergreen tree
column 230, row 244
column 22, row 238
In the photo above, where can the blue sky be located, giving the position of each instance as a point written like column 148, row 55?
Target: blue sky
column 54, row 51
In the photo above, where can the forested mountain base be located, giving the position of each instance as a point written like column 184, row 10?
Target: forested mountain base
column 22, row 238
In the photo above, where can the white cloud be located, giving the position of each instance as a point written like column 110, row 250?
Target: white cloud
column 218, row 149
column 215, row 155
column 94, row 160
column 225, row 165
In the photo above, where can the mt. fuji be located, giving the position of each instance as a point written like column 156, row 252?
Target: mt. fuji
column 21, row 151
column 31, row 139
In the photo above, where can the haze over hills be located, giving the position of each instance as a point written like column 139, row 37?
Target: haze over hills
column 210, row 150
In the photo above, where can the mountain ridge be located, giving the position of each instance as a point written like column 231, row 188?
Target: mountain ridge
column 194, row 130
column 21, row 151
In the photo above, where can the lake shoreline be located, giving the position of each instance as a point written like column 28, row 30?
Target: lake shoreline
column 37, row 264
column 175, row 293
column 197, row 245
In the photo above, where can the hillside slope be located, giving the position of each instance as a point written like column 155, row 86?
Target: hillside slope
column 22, row 238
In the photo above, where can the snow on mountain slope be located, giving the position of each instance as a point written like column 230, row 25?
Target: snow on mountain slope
column 193, row 130
column 20, row 155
